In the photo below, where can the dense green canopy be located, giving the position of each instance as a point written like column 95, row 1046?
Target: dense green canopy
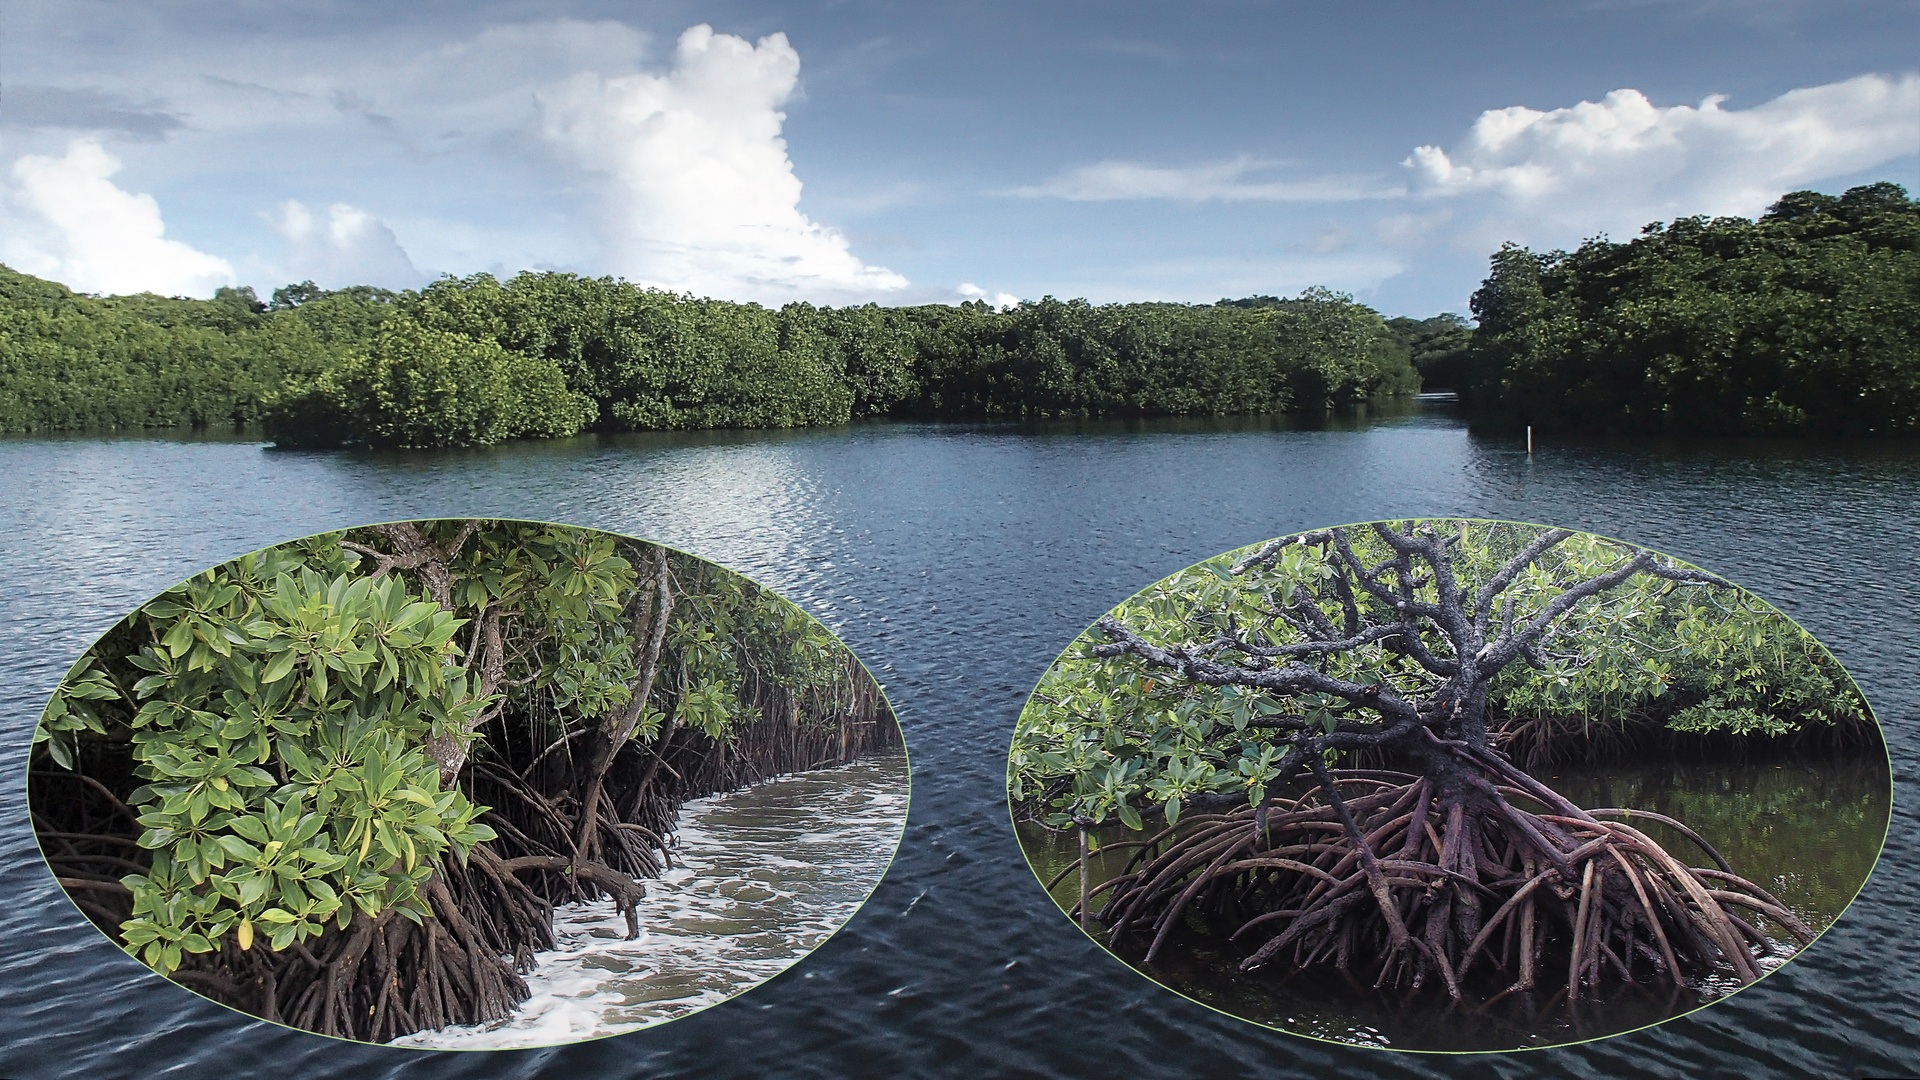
column 474, row 361
column 1806, row 320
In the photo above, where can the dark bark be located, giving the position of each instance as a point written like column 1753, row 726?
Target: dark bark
column 1421, row 874
column 567, row 830
column 616, row 728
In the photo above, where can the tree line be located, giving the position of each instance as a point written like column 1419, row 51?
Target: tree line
column 476, row 360
column 1806, row 320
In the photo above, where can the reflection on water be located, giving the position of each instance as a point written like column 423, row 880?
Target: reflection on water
column 957, row 560
column 1808, row 831
column 761, row 877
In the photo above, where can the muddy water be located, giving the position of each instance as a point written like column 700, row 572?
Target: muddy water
column 761, row 876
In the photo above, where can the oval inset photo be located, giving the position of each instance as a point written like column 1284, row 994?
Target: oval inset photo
column 468, row 784
column 1449, row 785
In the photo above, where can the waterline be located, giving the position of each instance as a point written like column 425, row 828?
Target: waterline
column 761, row 877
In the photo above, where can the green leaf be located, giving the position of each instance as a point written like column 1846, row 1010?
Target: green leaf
column 253, row 888
column 278, row 667
column 179, row 638
column 250, row 827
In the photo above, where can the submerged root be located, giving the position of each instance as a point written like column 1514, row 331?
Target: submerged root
column 1387, row 869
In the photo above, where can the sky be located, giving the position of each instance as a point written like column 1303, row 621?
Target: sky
column 855, row 151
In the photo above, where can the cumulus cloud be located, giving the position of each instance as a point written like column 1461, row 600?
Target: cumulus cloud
column 698, row 192
column 1625, row 161
column 1231, row 181
column 67, row 221
column 1000, row 301
column 346, row 247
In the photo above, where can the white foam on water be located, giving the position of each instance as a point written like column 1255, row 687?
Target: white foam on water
column 761, row 877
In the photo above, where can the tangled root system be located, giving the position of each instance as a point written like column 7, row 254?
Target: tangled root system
column 1412, row 879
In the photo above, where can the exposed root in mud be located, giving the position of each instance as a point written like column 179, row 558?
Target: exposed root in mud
column 1414, row 880
column 1462, row 863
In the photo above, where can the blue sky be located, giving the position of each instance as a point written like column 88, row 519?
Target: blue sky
column 852, row 151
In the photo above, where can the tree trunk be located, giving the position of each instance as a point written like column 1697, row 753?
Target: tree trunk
column 649, row 635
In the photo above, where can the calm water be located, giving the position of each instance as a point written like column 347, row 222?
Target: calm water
column 1807, row 832
column 957, row 561
column 761, row 877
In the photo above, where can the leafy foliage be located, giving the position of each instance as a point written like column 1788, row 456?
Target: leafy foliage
column 277, row 705
column 289, row 716
column 1111, row 736
column 1806, row 320
column 1436, row 346
column 424, row 387
column 474, row 361
column 1697, row 667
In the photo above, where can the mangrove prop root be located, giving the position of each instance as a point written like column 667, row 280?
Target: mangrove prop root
column 1430, row 880
column 383, row 977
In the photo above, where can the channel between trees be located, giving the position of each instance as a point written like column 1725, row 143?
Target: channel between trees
column 342, row 783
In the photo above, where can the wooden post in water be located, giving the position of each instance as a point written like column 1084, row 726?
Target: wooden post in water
column 1083, row 878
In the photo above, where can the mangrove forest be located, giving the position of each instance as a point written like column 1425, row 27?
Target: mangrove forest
column 1805, row 321
column 1323, row 752
column 341, row 783
column 475, row 361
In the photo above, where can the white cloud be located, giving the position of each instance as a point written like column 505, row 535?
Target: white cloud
column 349, row 247
column 1330, row 240
column 1203, row 279
column 1001, row 301
column 699, row 194
column 1623, row 161
column 68, row 222
column 1229, row 181
column 1406, row 230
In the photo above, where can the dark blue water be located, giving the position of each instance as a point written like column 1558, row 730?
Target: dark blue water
column 957, row 561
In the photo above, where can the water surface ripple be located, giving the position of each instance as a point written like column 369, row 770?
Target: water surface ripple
column 760, row 877
column 957, row 561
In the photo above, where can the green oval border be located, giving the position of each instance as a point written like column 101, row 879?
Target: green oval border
column 247, row 1017
column 1880, row 852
